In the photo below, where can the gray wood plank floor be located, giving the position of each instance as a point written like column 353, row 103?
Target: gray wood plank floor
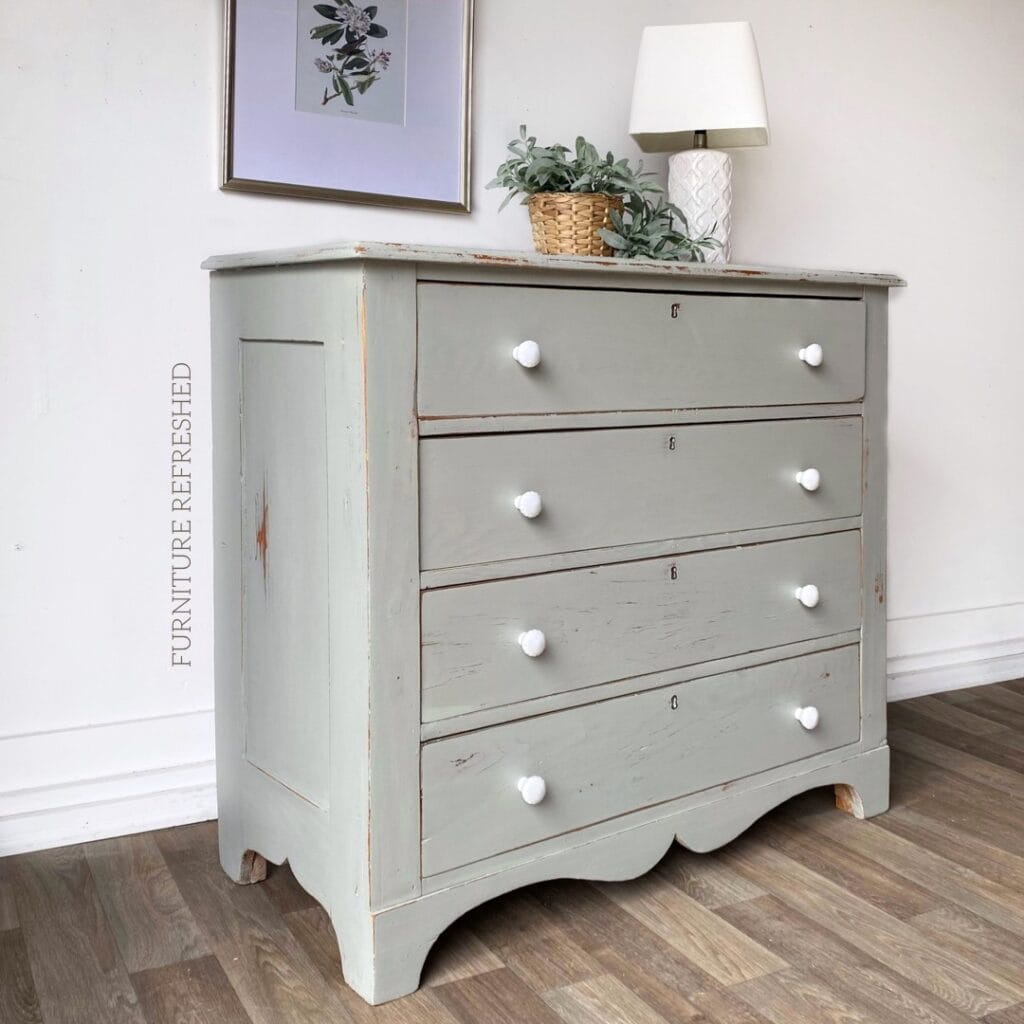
column 810, row 917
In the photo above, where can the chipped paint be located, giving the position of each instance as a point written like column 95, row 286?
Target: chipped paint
column 486, row 257
column 262, row 531
column 880, row 588
column 426, row 254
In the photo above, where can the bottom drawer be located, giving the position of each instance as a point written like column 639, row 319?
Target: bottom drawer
column 620, row 755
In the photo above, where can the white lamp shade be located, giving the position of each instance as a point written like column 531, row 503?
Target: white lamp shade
column 692, row 78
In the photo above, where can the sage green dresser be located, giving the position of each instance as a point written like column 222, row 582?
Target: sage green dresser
column 527, row 567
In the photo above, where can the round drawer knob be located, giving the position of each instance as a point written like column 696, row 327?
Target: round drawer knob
column 533, row 789
column 809, row 479
column 812, row 355
column 529, row 504
column 808, row 596
column 533, row 642
column 808, row 717
column 527, row 353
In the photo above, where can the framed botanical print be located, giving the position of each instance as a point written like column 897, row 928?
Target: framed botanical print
column 329, row 99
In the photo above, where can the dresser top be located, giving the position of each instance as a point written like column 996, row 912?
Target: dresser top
column 398, row 251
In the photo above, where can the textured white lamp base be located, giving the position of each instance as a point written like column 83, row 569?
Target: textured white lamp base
column 700, row 184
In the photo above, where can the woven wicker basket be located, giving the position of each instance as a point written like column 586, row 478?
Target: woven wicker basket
column 566, row 223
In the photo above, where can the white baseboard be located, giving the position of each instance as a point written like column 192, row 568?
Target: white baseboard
column 934, row 653
column 129, row 804
column 70, row 785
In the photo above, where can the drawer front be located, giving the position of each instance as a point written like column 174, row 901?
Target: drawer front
column 601, row 488
column 613, row 351
column 624, row 620
column 609, row 758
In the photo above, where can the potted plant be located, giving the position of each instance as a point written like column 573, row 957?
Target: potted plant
column 570, row 193
column 583, row 204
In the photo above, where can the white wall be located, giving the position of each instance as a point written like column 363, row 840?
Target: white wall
column 884, row 116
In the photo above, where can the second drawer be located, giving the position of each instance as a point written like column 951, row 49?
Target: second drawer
column 592, row 626
column 602, row 488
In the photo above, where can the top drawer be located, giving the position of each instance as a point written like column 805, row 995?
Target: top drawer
column 616, row 351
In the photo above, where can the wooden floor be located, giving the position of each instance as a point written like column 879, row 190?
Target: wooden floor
column 811, row 916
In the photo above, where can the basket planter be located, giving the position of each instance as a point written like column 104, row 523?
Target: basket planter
column 566, row 223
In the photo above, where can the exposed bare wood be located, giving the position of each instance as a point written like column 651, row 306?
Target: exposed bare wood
column 636, row 269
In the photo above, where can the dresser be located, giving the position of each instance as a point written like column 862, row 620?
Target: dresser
column 528, row 567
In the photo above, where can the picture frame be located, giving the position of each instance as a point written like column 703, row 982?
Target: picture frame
column 334, row 100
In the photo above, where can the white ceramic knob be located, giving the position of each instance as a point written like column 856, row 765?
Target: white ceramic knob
column 808, row 717
column 527, row 353
column 529, row 504
column 812, row 355
column 533, row 642
column 809, row 479
column 533, row 789
column 808, row 596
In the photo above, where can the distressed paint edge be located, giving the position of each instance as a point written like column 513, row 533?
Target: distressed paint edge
column 356, row 250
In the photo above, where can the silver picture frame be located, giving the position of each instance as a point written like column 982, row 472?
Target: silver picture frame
column 232, row 180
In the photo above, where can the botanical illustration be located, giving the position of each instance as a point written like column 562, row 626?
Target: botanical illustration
column 350, row 60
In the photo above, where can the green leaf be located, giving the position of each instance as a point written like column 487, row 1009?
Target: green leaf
column 322, row 30
column 377, row 32
column 371, row 12
column 327, row 11
column 347, row 93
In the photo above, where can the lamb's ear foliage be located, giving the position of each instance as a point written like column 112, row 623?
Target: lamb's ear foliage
column 656, row 231
column 652, row 228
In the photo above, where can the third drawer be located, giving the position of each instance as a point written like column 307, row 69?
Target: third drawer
column 613, row 622
column 605, row 488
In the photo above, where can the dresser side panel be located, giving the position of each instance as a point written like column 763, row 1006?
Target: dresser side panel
column 225, row 388
column 280, row 307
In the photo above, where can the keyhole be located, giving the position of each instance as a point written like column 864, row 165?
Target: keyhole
column 672, row 444
column 675, row 310
column 674, row 703
column 673, row 573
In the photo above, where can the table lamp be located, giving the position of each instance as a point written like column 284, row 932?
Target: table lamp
column 699, row 86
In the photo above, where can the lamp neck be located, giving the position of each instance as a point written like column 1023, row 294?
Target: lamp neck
column 700, row 140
